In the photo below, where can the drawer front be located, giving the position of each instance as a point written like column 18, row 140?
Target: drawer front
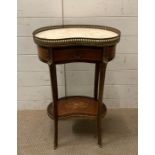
column 77, row 54
column 81, row 54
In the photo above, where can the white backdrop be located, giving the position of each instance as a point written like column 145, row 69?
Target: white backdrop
column 121, row 77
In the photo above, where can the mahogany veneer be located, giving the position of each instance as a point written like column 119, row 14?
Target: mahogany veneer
column 76, row 106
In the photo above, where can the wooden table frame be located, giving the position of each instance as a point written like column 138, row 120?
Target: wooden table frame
column 97, row 55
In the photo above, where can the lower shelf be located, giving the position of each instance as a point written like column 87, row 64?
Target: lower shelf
column 76, row 106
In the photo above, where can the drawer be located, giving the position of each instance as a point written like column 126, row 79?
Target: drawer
column 77, row 54
column 81, row 54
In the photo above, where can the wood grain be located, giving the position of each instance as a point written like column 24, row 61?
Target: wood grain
column 77, row 54
column 76, row 106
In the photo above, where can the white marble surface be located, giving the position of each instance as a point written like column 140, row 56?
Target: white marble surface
column 76, row 33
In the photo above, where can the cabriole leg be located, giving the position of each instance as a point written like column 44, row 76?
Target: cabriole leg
column 96, row 80
column 53, row 78
column 102, row 69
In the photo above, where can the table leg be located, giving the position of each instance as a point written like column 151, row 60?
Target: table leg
column 96, row 80
column 54, row 88
column 102, row 69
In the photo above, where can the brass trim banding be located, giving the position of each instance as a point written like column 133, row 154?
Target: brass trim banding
column 76, row 41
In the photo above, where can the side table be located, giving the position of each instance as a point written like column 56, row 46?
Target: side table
column 77, row 43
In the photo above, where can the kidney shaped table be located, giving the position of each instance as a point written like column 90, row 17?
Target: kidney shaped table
column 77, row 43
